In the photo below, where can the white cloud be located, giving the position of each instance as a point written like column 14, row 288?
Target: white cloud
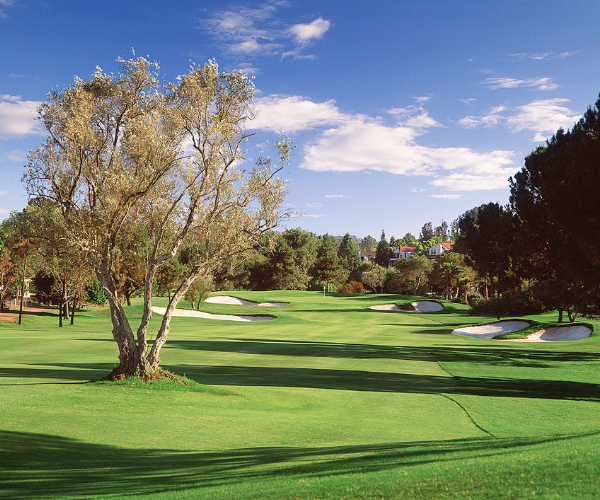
column 338, row 196
column 353, row 143
column 415, row 116
column 2, row 192
column 294, row 113
column 314, row 205
column 368, row 145
column 18, row 117
column 446, row 196
column 542, row 56
column 311, row 216
column 513, row 83
column 543, row 117
column 304, row 33
column 248, row 31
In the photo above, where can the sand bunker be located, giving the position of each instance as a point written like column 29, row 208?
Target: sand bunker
column 419, row 307
column 558, row 334
column 226, row 299
column 492, row 330
column 200, row 314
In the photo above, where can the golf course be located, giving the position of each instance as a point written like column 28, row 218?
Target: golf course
column 329, row 398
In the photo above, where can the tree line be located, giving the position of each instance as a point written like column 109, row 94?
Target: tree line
column 542, row 250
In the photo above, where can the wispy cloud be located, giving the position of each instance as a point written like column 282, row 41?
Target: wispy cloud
column 542, row 56
column 446, row 196
column 4, row 211
column 2, row 192
column 311, row 216
column 314, row 205
column 18, row 117
column 338, row 196
column 254, row 31
column 17, row 156
column 513, row 83
column 542, row 117
column 4, row 4
column 415, row 115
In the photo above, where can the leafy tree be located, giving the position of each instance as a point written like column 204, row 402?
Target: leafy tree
column 327, row 266
column 367, row 244
column 408, row 240
column 349, row 254
column 122, row 151
column 414, row 274
column 8, row 276
column 94, row 293
column 374, row 278
column 442, row 231
column 452, row 275
column 426, row 232
column 198, row 291
column 383, row 252
column 555, row 197
column 487, row 235
column 424, row 245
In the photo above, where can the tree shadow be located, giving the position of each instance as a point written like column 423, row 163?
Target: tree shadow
column 46, row 466
column 406, row 383
column 517, row 356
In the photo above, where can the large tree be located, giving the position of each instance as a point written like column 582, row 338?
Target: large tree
column 487, row 235
column 123, row 151
column 555, row 195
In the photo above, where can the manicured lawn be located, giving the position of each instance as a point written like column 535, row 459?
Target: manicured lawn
column 330, row 400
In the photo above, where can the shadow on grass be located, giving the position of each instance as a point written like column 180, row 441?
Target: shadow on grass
column 359, row 380
column 46, row 466
column 517, row 356
column 345, row 380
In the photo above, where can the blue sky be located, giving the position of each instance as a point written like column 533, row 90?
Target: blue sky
column 402, row 112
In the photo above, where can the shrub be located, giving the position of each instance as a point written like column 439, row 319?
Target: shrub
column 516, row 304
column 352, row 287
column 95, row 294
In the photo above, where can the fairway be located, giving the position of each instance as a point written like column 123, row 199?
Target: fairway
column 329, row 400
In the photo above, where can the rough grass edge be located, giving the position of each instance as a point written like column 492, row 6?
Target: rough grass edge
column 162, row 380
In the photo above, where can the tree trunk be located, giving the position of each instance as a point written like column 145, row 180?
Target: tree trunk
column 22, row 289
column 560, row 314
column 163, row 332
column 73, row 305
column 131, row 356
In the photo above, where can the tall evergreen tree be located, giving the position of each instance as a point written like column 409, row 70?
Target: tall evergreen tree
column 383, row 252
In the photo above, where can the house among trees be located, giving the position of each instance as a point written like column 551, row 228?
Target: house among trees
column 436, row 250
column 367, row 256
column 432, row 253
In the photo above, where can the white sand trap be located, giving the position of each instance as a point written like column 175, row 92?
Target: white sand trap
column 492, row 330
column 419, row 307
column 558, row 334
column 205, row 315
column 227, row 299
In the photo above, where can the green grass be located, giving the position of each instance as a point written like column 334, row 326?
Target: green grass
column 330, row 400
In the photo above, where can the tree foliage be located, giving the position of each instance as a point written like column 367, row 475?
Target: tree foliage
column 124, row 152
column 555, row 197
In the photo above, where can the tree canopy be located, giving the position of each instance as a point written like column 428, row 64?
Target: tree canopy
column 125, row 152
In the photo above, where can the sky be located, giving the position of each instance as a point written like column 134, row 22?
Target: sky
column 402, row 112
